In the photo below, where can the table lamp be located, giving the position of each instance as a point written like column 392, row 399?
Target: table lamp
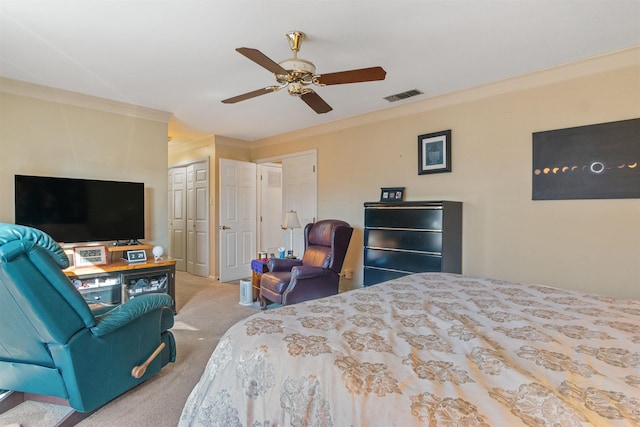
column 290, row 222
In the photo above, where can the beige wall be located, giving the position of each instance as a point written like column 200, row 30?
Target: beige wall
column 592, row 245
column 58, row 135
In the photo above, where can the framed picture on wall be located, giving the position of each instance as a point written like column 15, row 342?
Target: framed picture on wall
column 434, row 152
column 596, row 161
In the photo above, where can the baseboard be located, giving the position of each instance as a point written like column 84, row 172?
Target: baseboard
column 73, row 418
column 12, row 399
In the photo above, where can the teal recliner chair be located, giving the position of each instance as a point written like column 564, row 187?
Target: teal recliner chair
column 52, row 344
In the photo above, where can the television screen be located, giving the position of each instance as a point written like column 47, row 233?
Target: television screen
column 80, row 210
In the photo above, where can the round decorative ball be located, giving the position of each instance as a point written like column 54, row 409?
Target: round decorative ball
column 157, row 253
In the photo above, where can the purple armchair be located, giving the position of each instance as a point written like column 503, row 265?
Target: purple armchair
column 317, row 274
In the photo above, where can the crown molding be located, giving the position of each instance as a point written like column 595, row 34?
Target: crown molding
column 46, row 93
column 609, row 61
column 178, row 147
column 232, row 142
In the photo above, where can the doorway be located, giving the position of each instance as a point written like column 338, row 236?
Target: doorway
column 299, row 193
column 269, row 207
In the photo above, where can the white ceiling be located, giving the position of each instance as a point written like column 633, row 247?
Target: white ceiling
column 179, row 55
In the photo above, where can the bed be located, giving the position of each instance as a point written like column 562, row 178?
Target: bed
column 431, row 349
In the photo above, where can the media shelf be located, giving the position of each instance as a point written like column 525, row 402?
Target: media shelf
column 116, row 249
column 124, row 248
column 111, row 285
column 147, row 282
column 104, row 288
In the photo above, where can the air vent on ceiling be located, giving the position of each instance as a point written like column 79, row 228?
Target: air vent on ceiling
column 403, row 95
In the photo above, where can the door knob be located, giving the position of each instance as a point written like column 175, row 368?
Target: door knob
column 224, row 227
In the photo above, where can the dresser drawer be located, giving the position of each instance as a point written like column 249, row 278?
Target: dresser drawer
column 374, row 275
column 411, row 262
column 425, row 241
column 409, row 217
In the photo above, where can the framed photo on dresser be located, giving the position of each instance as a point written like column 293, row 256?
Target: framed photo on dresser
column 391, row 194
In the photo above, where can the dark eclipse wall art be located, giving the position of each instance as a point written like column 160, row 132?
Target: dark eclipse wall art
column 600, row 161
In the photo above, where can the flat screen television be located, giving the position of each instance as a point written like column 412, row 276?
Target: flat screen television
column 80, row 210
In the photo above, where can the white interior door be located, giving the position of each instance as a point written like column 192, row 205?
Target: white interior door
column 177, row 216
column 198, row 219
column 299, row 193
column 269, row 222
column 237, row 218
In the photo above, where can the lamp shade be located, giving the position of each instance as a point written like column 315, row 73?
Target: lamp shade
column 291, row 220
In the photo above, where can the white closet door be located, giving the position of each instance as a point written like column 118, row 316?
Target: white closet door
column 198, row 219
column 177, row 216
column 189, row 216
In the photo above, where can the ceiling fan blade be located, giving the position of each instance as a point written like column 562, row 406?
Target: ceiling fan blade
column 314, row 101
column 261, row 59
column 250, row 95
column 352, row 76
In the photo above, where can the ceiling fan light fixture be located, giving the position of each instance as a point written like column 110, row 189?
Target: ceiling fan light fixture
column 298, row 65
column 296, row 89
column 296, row 74
column 299, row 70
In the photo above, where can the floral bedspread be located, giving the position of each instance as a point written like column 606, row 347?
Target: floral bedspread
column 428, row 349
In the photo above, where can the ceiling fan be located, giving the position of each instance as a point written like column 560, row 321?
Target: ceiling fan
column 296, row 74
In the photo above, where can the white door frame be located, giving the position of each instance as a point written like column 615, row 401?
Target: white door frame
column 279, row 158
column 298, row 233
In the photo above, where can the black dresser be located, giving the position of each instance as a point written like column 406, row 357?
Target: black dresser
column 411, row 237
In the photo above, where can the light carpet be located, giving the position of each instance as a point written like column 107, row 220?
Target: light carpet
column 205, row 310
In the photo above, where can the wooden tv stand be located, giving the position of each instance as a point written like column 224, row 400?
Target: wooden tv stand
column 118, row 281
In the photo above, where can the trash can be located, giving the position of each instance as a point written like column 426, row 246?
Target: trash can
column 246, row 293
